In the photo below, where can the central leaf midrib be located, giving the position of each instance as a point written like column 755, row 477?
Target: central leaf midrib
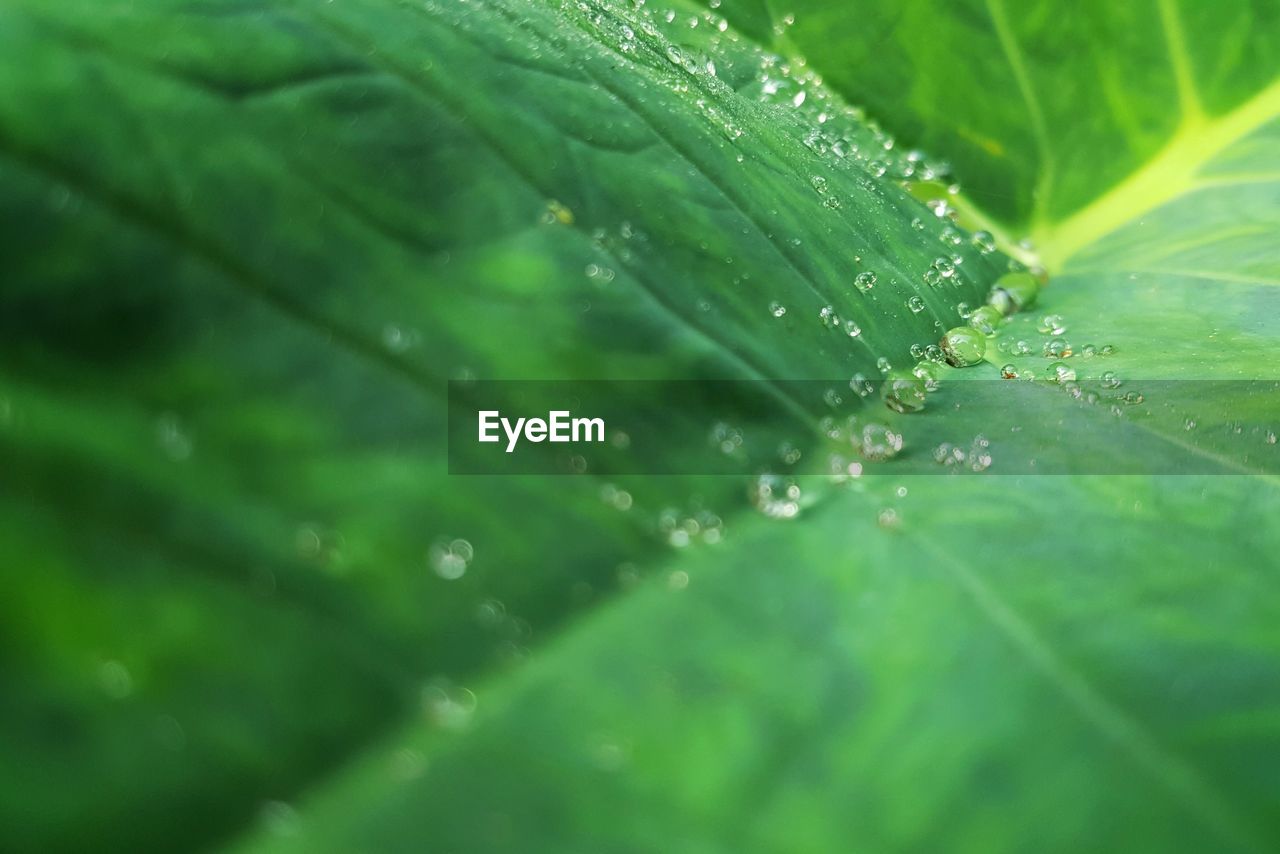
column 1169, row 174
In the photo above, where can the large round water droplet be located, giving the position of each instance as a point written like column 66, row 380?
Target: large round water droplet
column 964, row 346
column 903, row 392
column 928, row 373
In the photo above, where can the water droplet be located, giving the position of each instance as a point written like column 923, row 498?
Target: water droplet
column 1014, row 292
column 777, row 309
column 1061, row 372
column 884, row 365
column 986, row 319
column 775, row 496
column 557, row 213
column 819, row 183
column 964, row 346
column 1053, row 324
column 1056, row 349
column 903, row 392
column 978, row 458
column 945, row 266
column 983, row 241
column 876, row 442
column 861, row 385
column 1110, row 380
column 928, row 373
column 788, row 453
column 827, row 315
column 115, row 679
column 450, row 558
column 1106, row 350
column 852, row 329
column 1009, row 372
column 599, row 273
column 447, row 705
column 399, row 340
column 915, row 304
column 948, row 454
column 865, row 281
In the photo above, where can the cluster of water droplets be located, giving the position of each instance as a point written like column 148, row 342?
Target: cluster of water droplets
column 681, row 528
column 841, row 133
column 776, row 496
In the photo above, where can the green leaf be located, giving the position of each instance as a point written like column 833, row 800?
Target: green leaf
column 1054, row 109
column 246, row 252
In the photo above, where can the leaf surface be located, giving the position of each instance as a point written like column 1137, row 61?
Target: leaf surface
column 237, row 283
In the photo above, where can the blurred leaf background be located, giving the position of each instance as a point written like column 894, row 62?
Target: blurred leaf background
column 245, row 244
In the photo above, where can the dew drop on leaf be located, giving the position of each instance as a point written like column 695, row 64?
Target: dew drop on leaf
column 964, row 346
column 876, row 442
column 983, row 242
column 1061, row 372
column 985, row 319
column 1014, row 292
column 904, row 392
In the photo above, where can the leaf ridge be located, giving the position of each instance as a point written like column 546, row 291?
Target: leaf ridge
column 1171, row 173
column 1013, row 55
column 1181, row 779
column 1180, row 61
